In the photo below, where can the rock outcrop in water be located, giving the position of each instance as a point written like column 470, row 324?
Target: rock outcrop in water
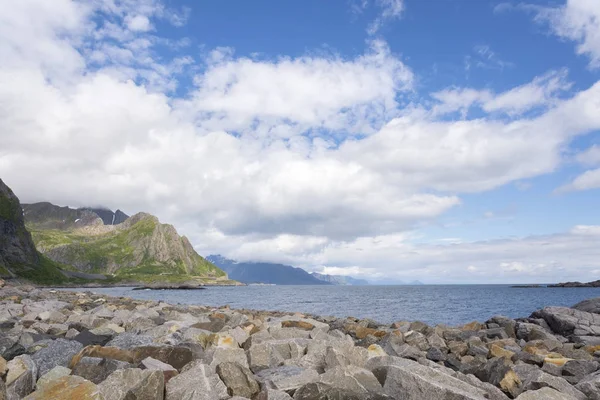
column 60, row 345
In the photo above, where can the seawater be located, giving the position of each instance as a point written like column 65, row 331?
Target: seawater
column 433, row 304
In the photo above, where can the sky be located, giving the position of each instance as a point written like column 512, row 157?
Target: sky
column 452, row 141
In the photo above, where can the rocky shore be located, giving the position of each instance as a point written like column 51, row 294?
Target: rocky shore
column 80, row 345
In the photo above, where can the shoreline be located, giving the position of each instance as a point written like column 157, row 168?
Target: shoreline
column 261, row 354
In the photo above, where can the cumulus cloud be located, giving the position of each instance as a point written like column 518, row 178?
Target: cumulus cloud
column 310, row 160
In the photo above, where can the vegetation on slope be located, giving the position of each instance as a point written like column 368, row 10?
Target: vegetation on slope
column 138, row 250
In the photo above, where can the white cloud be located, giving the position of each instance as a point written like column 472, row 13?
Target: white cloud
column 139, row 23
column 543, row 91
column 309, row 160
column 390, row 10
column 590, row 179
column 576, row 20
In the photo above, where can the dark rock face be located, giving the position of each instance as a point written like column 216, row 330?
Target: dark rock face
column 108, row 216
column 16, row 246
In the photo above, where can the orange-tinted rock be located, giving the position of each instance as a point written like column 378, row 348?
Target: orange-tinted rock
column 307, row 326
column 67, row 387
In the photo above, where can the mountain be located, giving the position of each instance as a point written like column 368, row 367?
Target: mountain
column 18, row 255
column 140, row 249
column 255, row 272
column 49, row 216
column 109, row 217
column 340, row 279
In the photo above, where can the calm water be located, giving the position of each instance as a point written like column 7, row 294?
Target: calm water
column 450, row 304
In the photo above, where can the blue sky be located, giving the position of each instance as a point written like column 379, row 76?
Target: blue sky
column 450, row 141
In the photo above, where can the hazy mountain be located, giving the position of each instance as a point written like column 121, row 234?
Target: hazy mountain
column 340, row 279
column 257, row 272
column 138, row 249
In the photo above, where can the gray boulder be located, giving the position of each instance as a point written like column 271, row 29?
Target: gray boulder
column 570, row 322
column 55, row 352
column 322, row 391
column 133, row 383
column 590, row 386
column 419, row 382
column 534, row 378
column 286, row 378
column 589, row 305
column 352, row 379
column 238, row 379
column 97, row 370
column 21, row 377
column 545, row 393
column 196, row 382
column 128, row 340
column 575, row 370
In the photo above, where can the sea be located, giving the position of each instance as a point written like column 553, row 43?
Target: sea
column 433, row 304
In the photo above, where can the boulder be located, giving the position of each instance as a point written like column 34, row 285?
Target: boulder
column 418, row 382
column 238, row 379
column 575, row 370
column 55, row 352
column 570, row 322
column 590, row 386
column 128, row 340
column 545, row 393
column 133, row 383
column 322, row 391
column 67, row 387
column 498, row 371
column 196, row 382
column 436, row 354
column 176, row 356
column 352, row 379
column 53, row 374
column 216, row 356
column 21, row 377
column 286, row 378
column 87, row 338
column 589, row 305
column 152, row 364
column 533, row 378
column 271, row 394
column 96, row 369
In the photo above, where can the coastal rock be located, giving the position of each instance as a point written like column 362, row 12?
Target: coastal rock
column 589, row 305
column 271, row 394
column 286, row 378
column 133, row 383
column 590, row 386
column 196, row 383
column 97, row 370
column 570, row 322
column 152, row 364
column 545, row 393
column 533, row 378
column 238, row 379
column 352, row 379
column 322, row 391
column 53, row 374
column 87, row 338
column 128, row 340
column 67, row 387
column 418, row 382
column 575, row 370
column 21, row 377
column 55, row 352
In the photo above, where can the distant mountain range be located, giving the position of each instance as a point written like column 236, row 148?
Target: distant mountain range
column 257, row 272
column 279, row 274
column 340, row 279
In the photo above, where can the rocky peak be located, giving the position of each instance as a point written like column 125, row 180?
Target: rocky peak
column 16, row 246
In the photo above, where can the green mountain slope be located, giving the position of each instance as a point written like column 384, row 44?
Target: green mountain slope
column 140, row 249
column 18, row 255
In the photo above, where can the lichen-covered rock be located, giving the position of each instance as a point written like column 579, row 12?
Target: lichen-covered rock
column 67, row 387
column 53, row 374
